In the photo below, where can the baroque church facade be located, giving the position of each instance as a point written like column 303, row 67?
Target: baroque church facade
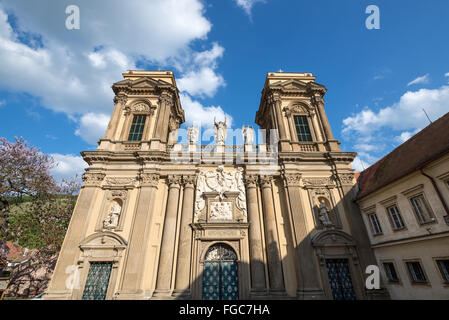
column 158, row 219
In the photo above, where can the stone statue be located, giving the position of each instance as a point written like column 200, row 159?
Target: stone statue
column 248, row 135
column 111, row 220
column 192, row 135
column 324, row 215
column 220, row 132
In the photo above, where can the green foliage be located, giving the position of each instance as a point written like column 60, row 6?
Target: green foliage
column 42, row 221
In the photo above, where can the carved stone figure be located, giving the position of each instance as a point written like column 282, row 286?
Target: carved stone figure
column 324, row 215
column 192, row 135
column 112, row 219
column 248, row 135
column 221, row 211
column 220, row 181
column 220, row 132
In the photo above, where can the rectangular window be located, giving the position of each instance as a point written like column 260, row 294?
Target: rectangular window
column 97, row 282
column 443, row 265
column 395, row 216
column 302, row 128
column 421, row 209
column 391, row 272
column 135, row 134
column 416, row 272
column 375, row 223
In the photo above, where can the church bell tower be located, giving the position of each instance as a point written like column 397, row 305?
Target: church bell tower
column 293, row 104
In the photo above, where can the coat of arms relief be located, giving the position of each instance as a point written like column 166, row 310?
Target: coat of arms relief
column 220, row 195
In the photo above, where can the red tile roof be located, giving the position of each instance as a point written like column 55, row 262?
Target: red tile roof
column 429, row 144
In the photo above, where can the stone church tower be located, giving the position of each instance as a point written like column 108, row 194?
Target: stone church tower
column 157, row 219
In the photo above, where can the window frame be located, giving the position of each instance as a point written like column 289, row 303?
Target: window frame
column 372, row 225
column 412, row 280
column 398, row 278
column 425, row 204
column 391, row 218
column 306, row 121
column 143, row 126
column 444, row 280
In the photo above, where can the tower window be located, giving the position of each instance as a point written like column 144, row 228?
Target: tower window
column 135, row 134
column 302, row 128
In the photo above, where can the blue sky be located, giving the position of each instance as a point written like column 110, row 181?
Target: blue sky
column 55, row 83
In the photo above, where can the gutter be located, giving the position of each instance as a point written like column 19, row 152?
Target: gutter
column 435, row 186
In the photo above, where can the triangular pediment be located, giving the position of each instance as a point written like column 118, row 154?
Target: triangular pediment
column 147, row 82
column 297, row 85
column 292, row 84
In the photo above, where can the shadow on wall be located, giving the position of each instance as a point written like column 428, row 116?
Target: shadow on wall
column 326, row 263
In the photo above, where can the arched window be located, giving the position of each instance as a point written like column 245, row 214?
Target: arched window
column 220, row 252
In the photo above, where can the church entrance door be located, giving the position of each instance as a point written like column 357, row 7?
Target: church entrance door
column 220, row 275
column 340, row 279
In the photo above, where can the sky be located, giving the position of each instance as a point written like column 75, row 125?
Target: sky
column 55, row 83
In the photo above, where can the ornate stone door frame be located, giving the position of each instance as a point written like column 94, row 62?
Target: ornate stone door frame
column 335, row 244
column 99, row 247
column 234, row 235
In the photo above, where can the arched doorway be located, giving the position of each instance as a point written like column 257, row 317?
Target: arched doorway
column 220, row 275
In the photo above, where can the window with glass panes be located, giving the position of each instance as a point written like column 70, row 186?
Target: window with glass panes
column 391, row 272
column 375, row 223
column 416, row 271
column 302, row 128
column 421, row 209
column 137, row 126
column 443, row 265
column 395, row 216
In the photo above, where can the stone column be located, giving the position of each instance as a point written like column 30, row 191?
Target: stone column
column 75, row 234
column 120, row 102
column 271, row 236
column 182, row 282
column 163, row 106
column 255, row 237
column 139, row 237
column 166, row 119
column 164, row 272
column 276, row 104
column 324, row 120
column 291, row 124
column 306, row 268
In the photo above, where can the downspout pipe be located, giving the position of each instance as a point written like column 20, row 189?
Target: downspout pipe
column 445, row 206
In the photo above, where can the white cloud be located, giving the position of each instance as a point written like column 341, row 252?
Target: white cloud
column 67, row 166
column 92, row 126
column 372, row 130
column 247, row 5
column 405, row 135
column 201, row 79
column 2, row 103
column 72, row 71
column 406, row 114
column 366, row 147
column 446, row 74
column 422, row 79
column 359, row 164
column 200, row 83
column 202, row 116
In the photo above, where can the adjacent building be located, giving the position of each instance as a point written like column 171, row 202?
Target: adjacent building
column 404, row 199
column 271, row 219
